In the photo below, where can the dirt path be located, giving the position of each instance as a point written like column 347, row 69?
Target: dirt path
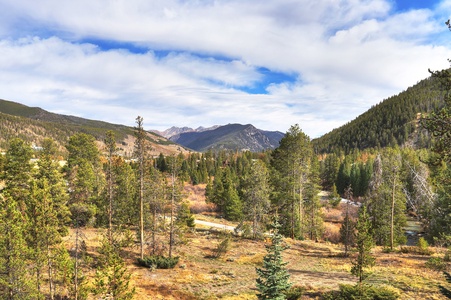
column 215, row 225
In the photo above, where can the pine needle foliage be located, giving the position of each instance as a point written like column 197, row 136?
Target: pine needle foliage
column 112, row 280
column 364, row 243
column 273, row 278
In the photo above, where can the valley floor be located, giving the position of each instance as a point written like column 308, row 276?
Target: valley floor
column 314, row 266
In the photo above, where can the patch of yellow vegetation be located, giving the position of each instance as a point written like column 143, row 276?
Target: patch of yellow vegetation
column 253, row 259
column 240, row 297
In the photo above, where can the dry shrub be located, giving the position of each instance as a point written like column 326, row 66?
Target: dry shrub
column 202, row 207
column 332, row 232
column 255, row 259
column 333, row 215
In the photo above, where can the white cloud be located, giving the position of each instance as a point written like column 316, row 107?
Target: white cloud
column 345, row 56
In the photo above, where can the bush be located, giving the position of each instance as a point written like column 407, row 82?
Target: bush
column 447, row 256
column 436, row 263
column 158, row 262
column 83, row 214
column 423, row 247
column 223, row 247
column 294, row 293
column 362, row 292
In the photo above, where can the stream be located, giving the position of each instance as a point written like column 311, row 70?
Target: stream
column 413, row 231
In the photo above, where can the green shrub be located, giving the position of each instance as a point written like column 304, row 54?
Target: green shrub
column 83, row 214
column 436, row 263
column 447, row 256
column 362, row 292
column 158, row 262
column 423, row 247
column 223, row 247
column 405, row 249
column 294, row 293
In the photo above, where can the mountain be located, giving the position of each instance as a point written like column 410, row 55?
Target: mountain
column 33, row 124
column 170, row 132
column 394, row 121
column 229, row 137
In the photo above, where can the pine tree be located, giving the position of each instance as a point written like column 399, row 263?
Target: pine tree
column 18, row 172
column 256, row 195
column 112, row 280
column 314, row 222
column 347, row 229
column 141, row 155
column 439, row 126
column 50, row 170
column 15, row 283
column 290, row 168
column 44, row 233
column 273, row 277
column 85, row 179
column 125, row 202
column 110, row 144
column 364, row 243
column 386, row 199
column 175, row 164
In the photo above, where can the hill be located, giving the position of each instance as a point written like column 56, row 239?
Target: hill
column 394, row 121
column 33, row 124
column 230, row 137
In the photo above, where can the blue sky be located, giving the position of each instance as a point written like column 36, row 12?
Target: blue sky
column 270, row 63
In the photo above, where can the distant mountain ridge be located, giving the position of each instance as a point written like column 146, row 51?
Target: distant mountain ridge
column 229, row 137
column 170, row 132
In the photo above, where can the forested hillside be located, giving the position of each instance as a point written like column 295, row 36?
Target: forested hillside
column 33, row 125
column 392, row 122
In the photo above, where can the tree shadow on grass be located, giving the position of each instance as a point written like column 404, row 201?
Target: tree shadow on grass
column 446, row 292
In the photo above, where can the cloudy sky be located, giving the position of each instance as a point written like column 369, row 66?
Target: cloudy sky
column 271, row 63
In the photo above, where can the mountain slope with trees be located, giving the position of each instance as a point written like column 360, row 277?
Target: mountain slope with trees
column 393, row 121
column 33, row 124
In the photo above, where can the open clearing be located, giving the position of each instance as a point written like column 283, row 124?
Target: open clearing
column 315, row 266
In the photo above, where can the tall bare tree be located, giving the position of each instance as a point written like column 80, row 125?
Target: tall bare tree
column 140, row 155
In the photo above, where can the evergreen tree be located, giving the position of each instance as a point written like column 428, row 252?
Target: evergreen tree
column 439, row 126
column 141, row 155
column 386, row 199
column 110, row 144
column 18, row 172
column 184, row 216
column 125, row 200
column 112, row 280
column 44, row 233
column 344, row 175
column 273, row 277
column 329, row 170
column 334, row 197
column 347, row 229
column 82, row 147
column 314, row 223
column 175, row 164
column 256, row 195
column 290, row 168
column 85, row 179
column 15, row 283
column 49, row 171
column 364, row 243
column 233, row 207
column 156, row 190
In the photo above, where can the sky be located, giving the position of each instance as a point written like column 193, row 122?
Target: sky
column 271, row 63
